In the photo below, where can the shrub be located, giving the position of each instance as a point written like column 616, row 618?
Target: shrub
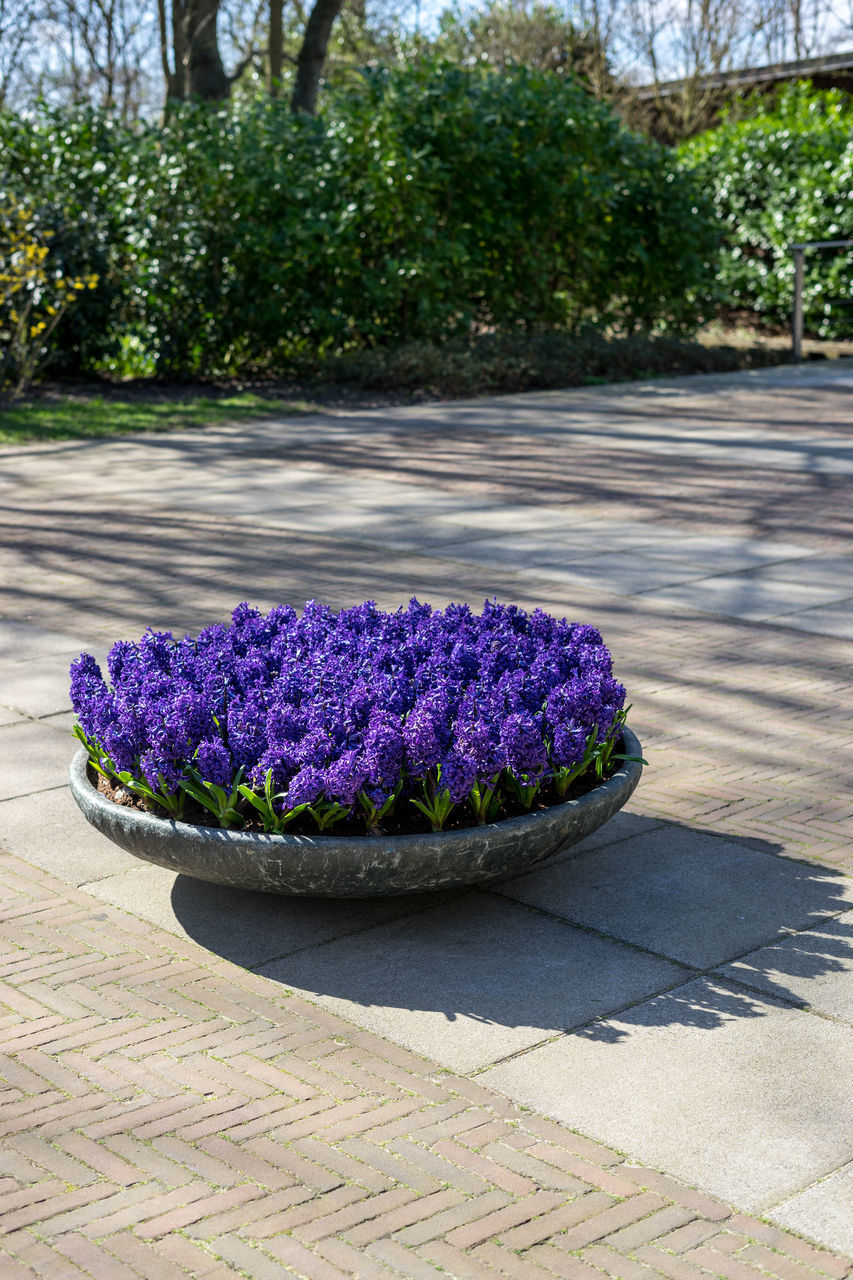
column 515, row 199
column 34, row 295
column 496, row 363
column 784, row 175
column 430, row 202
column 72, row 170
column 327, row 716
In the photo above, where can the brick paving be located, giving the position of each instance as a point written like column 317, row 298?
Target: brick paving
column 164, row 1112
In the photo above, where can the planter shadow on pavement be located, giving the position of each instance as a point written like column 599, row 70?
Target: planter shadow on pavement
column 684, row 998
column 472, row 977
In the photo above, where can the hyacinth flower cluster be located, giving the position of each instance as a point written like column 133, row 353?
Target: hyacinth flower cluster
column 358, row 715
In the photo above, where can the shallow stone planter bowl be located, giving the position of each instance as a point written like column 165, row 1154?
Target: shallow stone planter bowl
column 356, row 867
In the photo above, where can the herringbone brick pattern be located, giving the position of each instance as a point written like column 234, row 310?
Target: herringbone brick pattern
column 164, row 1114
column 749, row 730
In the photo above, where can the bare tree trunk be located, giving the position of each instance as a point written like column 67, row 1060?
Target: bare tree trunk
column 178, row 87
column 204, row 75
column 312, row 55
column 276, row 48
column 170, row 76
column 198, row 70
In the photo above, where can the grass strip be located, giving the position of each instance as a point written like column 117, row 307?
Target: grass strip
column 80, row 418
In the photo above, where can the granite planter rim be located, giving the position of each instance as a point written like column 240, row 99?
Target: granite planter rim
column 357, row 866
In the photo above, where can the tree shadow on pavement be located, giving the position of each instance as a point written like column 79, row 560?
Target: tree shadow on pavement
column 596, row 943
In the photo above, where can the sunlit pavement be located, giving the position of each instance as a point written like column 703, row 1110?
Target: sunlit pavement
column 215, row 1081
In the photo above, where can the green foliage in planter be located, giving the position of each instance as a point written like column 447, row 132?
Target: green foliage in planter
column 428, row 202
column 783, row 175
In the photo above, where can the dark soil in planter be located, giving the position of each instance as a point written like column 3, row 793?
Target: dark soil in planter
column 409, row 821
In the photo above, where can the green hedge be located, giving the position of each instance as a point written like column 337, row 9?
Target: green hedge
column 783, row 176
column 429, row 202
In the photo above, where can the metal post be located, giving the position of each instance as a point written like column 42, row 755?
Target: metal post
column 799, row 253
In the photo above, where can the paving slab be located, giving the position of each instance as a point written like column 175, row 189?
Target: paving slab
column 225, row 499
column 581, row 540
column 48, row 830
column 371, row 528
column 624, row 574
column 823, row 1211
column 249, row 929
column 63, row 720
column 38, row 686
column 622, row 826
column 684, row 894
column 33, row 757
column 24, row 641
column 523, row 517
column 835, row 572
column 666, row 566
column 832, row 620
column 814, row 967
column 473, row 980
column 738, row 552
column 549, row 548
column 739, row 1094
column 751, row 597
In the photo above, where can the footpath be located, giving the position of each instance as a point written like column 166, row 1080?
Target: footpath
column 635, row 1062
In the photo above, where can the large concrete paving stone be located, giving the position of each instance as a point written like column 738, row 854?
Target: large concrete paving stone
column 357, row 525
column 547, row 549
column 622, row 574
column 339, row 518
column 33, row 757
column 750, row 596
column 690, row 896
column 741, row 1095
column 49, row 831
column 473, row 980
column 624, row 825
column 23, row 641
column 721, row 553
column 823, row 1211
column 834, row 620
column 37, row 686
column 814, row 967
column 817, row 571
column 247, row 928
column 475, row 516
column 63, row 720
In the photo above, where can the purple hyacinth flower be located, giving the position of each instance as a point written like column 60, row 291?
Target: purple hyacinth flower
column 457, row 776
column 305, row 788
column 522, row 745
column 361, row 699
column 344, row 779
column 382, row 751
column 214, row 763
column 422, row 743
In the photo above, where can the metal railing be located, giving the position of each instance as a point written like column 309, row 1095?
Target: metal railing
column 799, row 253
